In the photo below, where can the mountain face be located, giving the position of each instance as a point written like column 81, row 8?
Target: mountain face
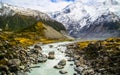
column 15, row 18
column 27, row 24
column 100, row 20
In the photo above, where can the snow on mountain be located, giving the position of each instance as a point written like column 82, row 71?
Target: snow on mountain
column 6, row 9
column 79, row 16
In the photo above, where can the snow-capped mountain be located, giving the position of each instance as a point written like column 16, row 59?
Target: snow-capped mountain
column 9, row 10
column 82, row 20
column 18, row 18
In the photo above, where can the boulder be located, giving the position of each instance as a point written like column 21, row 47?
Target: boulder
column 42, row 58
column 58, row 67
column 51, row 55
column 62, row 62
column 77, row 63
column 50, row 46
column 4, row 68
column 76, row 57
column 22, row 67
column 15, row 62
column 79, row 69
column 37, row 46
column 63, row 71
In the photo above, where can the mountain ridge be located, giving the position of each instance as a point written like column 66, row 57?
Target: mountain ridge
column 77, row 16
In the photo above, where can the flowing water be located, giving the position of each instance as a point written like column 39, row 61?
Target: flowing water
column 47, row 67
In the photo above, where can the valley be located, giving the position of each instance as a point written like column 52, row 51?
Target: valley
column 80, row 39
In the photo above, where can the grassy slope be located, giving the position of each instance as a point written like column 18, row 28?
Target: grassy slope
column 27, row 30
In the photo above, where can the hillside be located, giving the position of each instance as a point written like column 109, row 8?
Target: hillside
column 28, row 26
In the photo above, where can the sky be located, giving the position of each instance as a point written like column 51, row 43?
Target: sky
column 45, row 5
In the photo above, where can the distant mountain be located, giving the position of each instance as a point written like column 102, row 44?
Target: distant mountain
column 100, row 20
column 16, row 19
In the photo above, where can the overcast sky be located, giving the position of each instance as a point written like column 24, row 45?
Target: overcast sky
column 45, row 5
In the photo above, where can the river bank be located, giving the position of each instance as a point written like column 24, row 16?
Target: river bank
column 68, row 58
column 47, row 68
column 96, row 57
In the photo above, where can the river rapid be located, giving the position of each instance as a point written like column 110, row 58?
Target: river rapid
column 47, row 68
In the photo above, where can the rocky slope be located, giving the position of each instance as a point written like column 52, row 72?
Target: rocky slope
column 96, row 57
column 91, row 21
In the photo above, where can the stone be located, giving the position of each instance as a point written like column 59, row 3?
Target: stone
column 62, row 62
column 4, row 68
column 42, row 58
column 14, row 68
column 71, row 64
column 58, row 67
column 76, row 57
column 63, row 71
column 22, row 67
column 51, row 55
column 77, row 63
column 37, row 46
column 15, row 62
column 79, row 69
column 50, row 46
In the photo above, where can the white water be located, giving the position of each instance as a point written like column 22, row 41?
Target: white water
column 47, row 67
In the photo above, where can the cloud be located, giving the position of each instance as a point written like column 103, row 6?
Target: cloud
column 42, row 5
column 47, row 5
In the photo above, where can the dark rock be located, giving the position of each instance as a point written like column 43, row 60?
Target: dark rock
column 62, row 62
column 71, row 64
column 51, row 55
column 63, row 71
column 42, row 58
column 50, row 46
column 37, row 46
column 58, row 67
column 77, row 63
column 4, row 68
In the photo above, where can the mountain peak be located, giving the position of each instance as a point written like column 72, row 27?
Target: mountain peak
column 110, row 2
column 10, row 10
column 79, row 16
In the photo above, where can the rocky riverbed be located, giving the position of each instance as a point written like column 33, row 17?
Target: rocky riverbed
column 96, row 57
column 57, row 65
column 16, row 60
column 80, row 58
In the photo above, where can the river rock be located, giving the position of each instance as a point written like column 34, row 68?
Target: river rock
column 76, row 57
column 15, row 62
column 62, row 62
column 77, row 63
column 42, row 58
column 4, row 68
column 37, row 46
column 51, row 55
column 22, row 67
column 63, row 71
column 58, row 67
column 88, row 72
column 79, row 69
column 50, row 46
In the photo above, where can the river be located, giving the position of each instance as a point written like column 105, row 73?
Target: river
column 47, row 67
